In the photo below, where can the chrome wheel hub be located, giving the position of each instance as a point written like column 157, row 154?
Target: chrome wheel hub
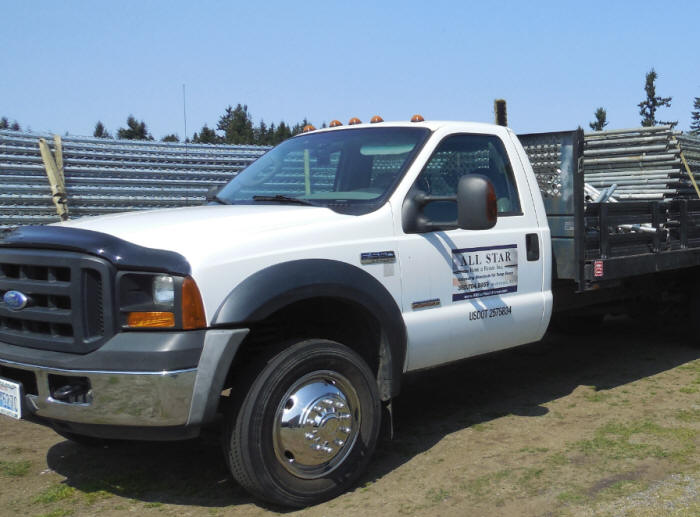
column 316, row 424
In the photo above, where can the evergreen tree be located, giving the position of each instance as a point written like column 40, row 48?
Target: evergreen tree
column 299, row 127
column 15, row 126
column 695, row 118
column 172, row 137
column 261, row 134
column 100, row 131
column 206, row 136
column 4, row 123
column 648, row 107
column 237, row 125
column 601, row 120
column 281, row 133
column 135, row 130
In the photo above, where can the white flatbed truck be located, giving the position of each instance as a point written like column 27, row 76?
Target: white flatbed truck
column 295, row 301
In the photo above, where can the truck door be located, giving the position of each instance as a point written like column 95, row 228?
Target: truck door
column 467, row 292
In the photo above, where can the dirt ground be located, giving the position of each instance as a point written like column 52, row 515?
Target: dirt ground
column 606, row 424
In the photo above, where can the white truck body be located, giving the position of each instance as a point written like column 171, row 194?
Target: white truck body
column 227, row 244
column 290, row 307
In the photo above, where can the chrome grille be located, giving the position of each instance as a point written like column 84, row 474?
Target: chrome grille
column 68, row 294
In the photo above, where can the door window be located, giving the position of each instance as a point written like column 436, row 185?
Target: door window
column 463, row 154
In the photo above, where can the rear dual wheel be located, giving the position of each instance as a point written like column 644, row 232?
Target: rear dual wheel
column 307, row 426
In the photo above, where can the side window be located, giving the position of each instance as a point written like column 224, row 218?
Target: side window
column 458, row 155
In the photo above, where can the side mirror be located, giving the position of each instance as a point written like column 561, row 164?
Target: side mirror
column 476, row 203
column 476, row 207
column 212, row 192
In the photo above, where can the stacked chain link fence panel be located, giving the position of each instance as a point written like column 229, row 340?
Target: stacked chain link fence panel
column 644, row 163
column 104, row 176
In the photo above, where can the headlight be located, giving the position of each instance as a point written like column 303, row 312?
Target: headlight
column 148, row 300
column 164, row 290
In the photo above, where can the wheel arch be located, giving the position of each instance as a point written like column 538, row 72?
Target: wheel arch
column 288, row 284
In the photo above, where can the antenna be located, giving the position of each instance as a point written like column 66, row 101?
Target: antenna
column 184, row 114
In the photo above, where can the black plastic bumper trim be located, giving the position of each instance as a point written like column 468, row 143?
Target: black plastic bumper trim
column 126, row 351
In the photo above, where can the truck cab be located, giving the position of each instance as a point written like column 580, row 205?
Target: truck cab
column 338, row 261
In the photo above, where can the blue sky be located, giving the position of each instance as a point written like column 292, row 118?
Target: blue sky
column 64, row 65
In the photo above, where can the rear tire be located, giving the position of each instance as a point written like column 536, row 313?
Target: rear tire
column 307, row 426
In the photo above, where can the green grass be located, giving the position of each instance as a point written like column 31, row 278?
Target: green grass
column 93, row 496
column 11, row 450
column 59, row 512
column 530, row 475
column 597, row 396
column 688, row 415
column 437, row 495
column 127, row 485
column 612, row 441
column 557, row 459
column 480, row 486
column 54, row 494
column 15, row 468
column 534, row 450
column 571, row 497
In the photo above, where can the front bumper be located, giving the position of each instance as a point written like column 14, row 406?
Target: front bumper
column 137, row 392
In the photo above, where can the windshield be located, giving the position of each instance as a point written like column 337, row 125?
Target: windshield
column 350, row 171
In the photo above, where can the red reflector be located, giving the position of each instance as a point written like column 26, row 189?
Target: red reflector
column 598, row 268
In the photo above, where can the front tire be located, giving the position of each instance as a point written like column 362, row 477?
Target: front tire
column 307, row 426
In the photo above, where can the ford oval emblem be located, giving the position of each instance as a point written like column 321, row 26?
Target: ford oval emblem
column 15, row 300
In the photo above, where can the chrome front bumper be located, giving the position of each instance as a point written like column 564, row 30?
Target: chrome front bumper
column 185, row 397
column 115, row 398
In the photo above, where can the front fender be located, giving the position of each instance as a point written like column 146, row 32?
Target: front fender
column 275, row 287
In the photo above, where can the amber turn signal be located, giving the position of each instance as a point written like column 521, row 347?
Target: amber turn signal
column 151, row 320
column 376, row 119
column 192, row 306
column 417, row 118
column 354, row 120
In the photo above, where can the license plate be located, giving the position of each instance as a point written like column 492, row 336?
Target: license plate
column 10, row 401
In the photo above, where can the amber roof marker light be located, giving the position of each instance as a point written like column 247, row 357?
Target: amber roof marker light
column 376, row 119
column 354, row 120
column 308, row 128
column 335, row 123
column 417, row 118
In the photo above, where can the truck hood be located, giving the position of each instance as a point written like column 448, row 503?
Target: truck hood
column 198, row 232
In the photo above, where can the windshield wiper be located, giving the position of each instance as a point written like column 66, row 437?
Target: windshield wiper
column 279, row 198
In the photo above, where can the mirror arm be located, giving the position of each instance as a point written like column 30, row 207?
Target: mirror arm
column 415, row 222
column 423, row 199
column 439, row 227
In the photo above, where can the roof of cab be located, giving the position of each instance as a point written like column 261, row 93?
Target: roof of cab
column 432, row 125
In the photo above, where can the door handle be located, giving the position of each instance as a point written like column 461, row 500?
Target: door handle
column 532, row 245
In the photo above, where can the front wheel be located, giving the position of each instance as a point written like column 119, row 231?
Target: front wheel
column 307, row 427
